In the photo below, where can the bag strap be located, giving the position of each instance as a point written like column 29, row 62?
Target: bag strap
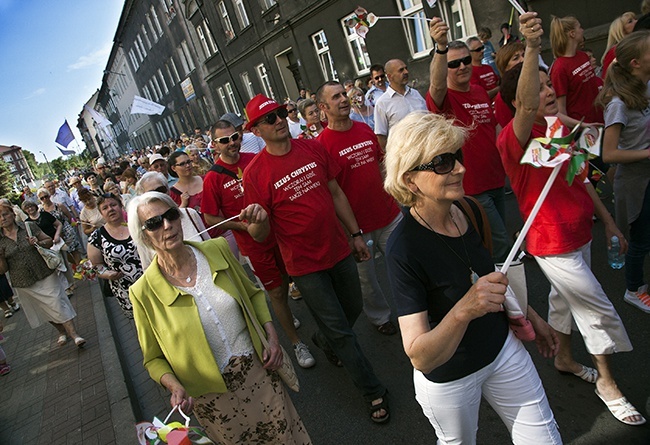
column 470, row 207
column 224, row 171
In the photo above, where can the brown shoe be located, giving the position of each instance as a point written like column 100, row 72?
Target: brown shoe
column 387, row 328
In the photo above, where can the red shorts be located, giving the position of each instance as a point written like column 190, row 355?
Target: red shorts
column 268, row 266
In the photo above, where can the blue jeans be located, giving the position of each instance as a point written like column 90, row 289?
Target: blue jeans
column 494, row 203
column 334, row 300
column 639, row 246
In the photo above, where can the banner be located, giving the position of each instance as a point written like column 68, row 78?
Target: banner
column 145, row 106
column 101, row 120
column 65, row 136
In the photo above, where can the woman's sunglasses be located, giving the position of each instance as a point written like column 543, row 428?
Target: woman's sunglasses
column 226, row 139
column 156, row 222
column 273, row 116
column 456, row 63
column 441, row 164
column 184, row 163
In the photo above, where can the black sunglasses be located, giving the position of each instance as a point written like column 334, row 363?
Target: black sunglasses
column 184, row 163
column 381, row 76
column 105, row 196
column 273, row 116
column 478, row 50
column 292, row 110
column 232, row 138
column 441, row 164
column 162, row 189
column 456, row 63
column 156, row 222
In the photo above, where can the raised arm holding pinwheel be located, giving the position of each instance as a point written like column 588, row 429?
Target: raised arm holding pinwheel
column 560, row 236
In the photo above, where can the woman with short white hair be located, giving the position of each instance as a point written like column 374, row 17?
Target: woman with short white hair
column 449, row 298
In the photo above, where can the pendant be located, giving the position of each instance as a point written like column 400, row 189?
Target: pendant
column 188, row 279
column 473, row 276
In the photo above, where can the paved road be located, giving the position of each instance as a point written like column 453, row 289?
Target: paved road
column 94, row 396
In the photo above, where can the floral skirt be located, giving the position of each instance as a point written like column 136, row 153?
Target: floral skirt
column 255, row 410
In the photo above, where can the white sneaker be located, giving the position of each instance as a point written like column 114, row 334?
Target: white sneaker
column 639, row 299
column 296, row 322
column 304, row 357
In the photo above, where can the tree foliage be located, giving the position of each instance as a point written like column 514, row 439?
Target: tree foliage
column 6, row 179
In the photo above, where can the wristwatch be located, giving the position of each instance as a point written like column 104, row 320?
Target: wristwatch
column 443, row 51
column 359, row 233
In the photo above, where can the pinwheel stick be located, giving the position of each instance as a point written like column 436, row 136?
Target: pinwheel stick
column 212, row 227
column 531, row 218
column 515, row 4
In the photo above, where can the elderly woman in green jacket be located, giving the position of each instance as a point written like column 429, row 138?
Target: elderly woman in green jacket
column 196, row 337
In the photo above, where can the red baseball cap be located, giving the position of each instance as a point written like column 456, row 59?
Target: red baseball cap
column 258, row 107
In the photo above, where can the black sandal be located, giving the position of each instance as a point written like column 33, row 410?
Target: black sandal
column 378, row 407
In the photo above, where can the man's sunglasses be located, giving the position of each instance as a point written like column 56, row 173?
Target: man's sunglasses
column 456, row 63
column 273, row 116
column 226, row 139
column 478, row 50
column 441, row 164
column 156, row 222
column 381, row 76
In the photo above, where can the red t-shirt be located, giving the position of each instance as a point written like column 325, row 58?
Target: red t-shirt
column 293, row 188
column 564, row 221
column 358, row 153
column 223, row 194
column 607, row 61
column 574, row 78
column 484, row 76
column 480, row 154
column 502, row 112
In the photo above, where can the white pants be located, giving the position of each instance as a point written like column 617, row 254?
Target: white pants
column 576, row 295
column 510, row 384
column 375, row 305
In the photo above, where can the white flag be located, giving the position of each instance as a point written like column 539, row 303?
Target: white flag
column 145, row 106
column 101, row 120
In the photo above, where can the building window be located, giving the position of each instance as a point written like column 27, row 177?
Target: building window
column 324, row 57
column 266, row 4
column 155, row 83
column 458, row 14
column 417, row 31
column 357, row 47
column 153, row 30
column 186, row 57
column 242, row 17
column 155, row 20
column 168, row 7
column 172, row 71
column 224, row 100
column 144, row 50
column 162, row 81
column 248, row 85
column 265, row 80
column 138, row 51
column 231, row 98
column 145, row 90
column 134, row 60
column 225, row 21
column 7, row 158
column 209, row 46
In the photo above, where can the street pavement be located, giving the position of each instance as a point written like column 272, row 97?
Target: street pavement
column 95, row 395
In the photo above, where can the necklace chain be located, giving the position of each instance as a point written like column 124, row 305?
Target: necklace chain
column 473, row 275
column 189, row 277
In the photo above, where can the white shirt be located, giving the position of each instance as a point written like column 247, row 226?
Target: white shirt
column 392, row 107
column 294, row 127
column 251, row 143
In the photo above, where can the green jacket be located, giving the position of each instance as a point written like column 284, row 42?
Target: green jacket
column 169, row 328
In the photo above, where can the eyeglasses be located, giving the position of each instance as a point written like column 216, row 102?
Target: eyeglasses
column 478, row 50
column 161, row 189
column 441, row 164
column 42, row 197
column 381, row 76
column 293, row 110
column 156, row 222
column 272, row 117
column 184, row 163
column 232, row 138
column 456, row 63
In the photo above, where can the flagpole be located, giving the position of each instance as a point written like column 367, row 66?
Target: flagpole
column 531, row 218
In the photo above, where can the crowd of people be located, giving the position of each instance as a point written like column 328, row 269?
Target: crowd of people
column 308, row 192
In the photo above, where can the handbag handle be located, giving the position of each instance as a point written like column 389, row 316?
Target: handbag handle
column 185, row 416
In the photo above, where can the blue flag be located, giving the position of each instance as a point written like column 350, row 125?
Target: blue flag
column 66, row 152
column 65, row 135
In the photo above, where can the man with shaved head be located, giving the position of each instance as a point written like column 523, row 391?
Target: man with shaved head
column 398, row 100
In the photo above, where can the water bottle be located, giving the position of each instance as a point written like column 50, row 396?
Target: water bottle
column 614, row 258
